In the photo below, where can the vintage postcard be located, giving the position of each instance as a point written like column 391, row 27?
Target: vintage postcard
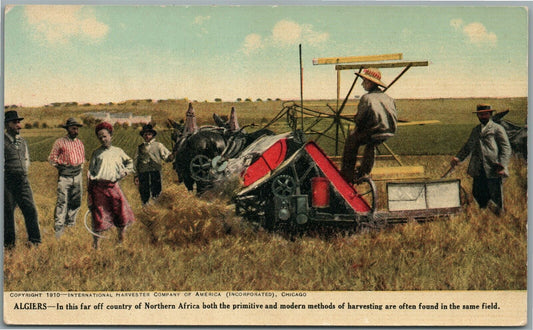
column 282, row 165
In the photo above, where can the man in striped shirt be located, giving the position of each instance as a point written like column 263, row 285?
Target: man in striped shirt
column 68, row 156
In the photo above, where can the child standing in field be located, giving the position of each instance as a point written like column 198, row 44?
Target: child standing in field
column 106, row 201
column 147, row 164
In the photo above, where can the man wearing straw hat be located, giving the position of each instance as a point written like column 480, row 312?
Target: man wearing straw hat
column 490, row 152
column 375, row 121
column 17, row 189
column 68, row 156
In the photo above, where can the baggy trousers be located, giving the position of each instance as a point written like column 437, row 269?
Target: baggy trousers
column 69, row 191
column 349, row 157
column 149, row 185
column 17, row 191
column 486, row 189
column 108, row 206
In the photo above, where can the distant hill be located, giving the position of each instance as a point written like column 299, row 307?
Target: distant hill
column 443, row 109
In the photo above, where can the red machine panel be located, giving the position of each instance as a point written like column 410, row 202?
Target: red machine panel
column 330, row 171
column 267, row 162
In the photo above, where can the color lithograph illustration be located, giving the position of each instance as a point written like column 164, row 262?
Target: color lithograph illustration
column 265, row 165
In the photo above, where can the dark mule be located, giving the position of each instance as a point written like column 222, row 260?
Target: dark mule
column 195, row 147
column 210, row 142
column 207, row 142
column 517, row 134
column 236, row 142
column 237, row 138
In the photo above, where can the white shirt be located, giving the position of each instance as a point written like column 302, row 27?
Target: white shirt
column 110, row 164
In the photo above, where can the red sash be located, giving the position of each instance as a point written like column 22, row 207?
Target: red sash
column 109, row 206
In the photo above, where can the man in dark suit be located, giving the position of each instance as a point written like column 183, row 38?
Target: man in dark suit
column 490, row 152
column 17, row 189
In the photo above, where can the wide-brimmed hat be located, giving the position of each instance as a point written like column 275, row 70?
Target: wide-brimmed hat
column 483, row 108
column 71, row 122
column 372, row 74
column 11, row 115
column 148, row 129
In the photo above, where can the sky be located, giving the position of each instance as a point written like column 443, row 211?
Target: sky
column 113, row 53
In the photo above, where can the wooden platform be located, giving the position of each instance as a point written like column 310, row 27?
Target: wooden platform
column 391, row 172
column 397, row 172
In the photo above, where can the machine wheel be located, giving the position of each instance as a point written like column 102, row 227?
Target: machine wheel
column 200, row 167
column 366, row 188
column 218, row 164
column 283, row 186
column 256, row 210
column 250, row 207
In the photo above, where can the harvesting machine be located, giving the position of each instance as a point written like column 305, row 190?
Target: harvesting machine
column 288, row 181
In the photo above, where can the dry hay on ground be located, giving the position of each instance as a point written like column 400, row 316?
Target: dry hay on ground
column 180, row 218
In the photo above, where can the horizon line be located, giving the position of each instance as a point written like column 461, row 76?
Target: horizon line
column 76, row 103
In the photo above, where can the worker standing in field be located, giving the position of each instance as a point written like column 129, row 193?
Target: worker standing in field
column 375, row 122
column 106, row 201
column 17, row 189
column 490, row 152
column 68, row 156
column 148, row 164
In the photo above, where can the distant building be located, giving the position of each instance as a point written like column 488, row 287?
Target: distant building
column 120, row 118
